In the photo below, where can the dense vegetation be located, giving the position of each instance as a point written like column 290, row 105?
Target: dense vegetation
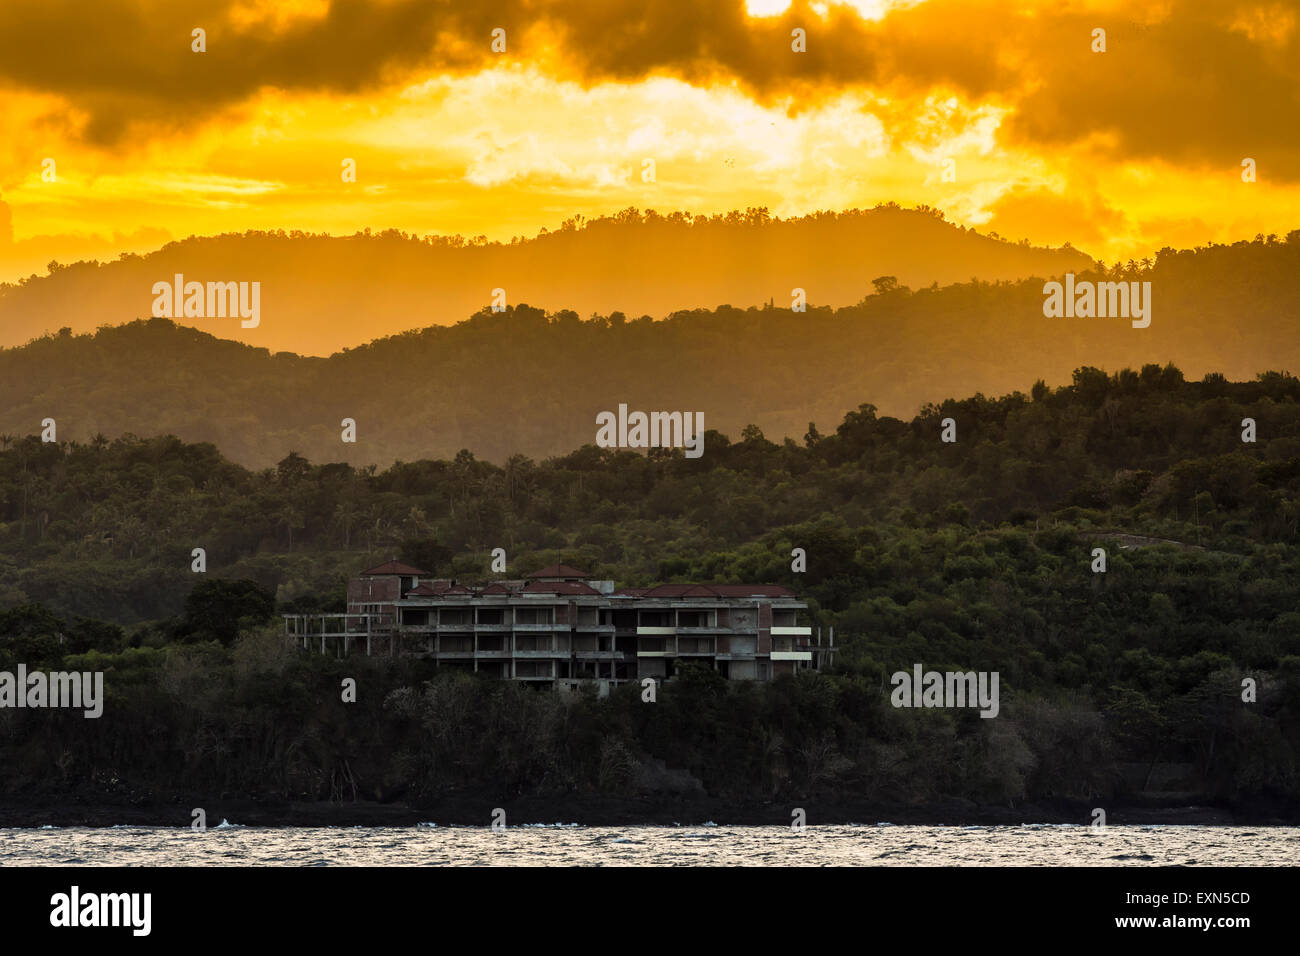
column 523, row 382
column 258, row 719
column 971, row 555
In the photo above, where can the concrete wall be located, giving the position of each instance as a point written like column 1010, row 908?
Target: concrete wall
column 378, row 590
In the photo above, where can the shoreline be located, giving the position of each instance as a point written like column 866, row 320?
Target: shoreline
column 463, row 811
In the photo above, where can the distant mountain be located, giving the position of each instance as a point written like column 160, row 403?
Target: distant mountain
column 320, row 294
column 524, row 382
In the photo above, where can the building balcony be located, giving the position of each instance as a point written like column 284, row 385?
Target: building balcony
column 696, row 647
column 792, row 655
column 534, row 671
column 655, row 631
column 791, row 631
column 462, row 629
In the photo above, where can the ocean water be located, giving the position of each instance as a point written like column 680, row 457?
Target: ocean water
column 879, row 844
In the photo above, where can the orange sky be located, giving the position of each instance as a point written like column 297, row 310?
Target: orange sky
column 1119, row 152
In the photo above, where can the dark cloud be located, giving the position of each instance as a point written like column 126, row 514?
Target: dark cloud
column 127, row 62
column 1188, row 88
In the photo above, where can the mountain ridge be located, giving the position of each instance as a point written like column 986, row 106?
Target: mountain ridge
column 527, row 382
column 320, row 293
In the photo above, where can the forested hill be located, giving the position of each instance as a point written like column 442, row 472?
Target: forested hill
column 523, row 382
column 106, row 529
column 975, row 555
column 320, row 294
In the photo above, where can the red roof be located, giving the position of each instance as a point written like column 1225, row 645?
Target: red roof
column 496, row 587
column 394, row 567
column 558, row 571
column 559, row 587
column 670, row 590
column 440, row 587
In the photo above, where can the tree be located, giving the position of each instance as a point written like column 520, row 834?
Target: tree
column 290, row 517
column 292, row 469
column 1091, row 385
column 346, row 514
column 217, row 610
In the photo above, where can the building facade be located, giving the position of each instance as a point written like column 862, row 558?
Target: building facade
column 559, row 627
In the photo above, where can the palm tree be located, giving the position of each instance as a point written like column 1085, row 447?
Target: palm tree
column 345, row 516
column 463, row 472
column 519, row 478
column 290, row 517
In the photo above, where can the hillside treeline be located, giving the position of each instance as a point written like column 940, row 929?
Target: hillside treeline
column 107, row 528
column 527, row 382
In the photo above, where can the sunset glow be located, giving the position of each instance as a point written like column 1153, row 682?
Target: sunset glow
column 151, row 141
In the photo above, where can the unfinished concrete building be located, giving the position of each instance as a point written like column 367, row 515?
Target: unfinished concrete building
column 560, row 627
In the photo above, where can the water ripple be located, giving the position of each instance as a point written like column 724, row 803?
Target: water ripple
column 573, row 845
